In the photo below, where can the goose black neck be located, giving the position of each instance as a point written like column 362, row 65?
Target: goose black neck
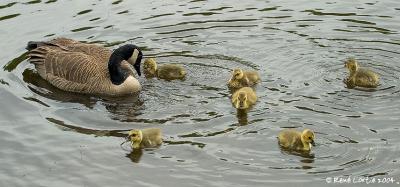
column 117, row 74
column 125, row 52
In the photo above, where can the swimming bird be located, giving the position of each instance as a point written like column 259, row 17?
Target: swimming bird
column 242, row 78
column 165, row 71
column 361, row 77
column 87, row 68
column 145, row 138
column 295, row 140
column 244, row 98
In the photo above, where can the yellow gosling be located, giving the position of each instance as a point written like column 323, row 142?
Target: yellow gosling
column 244, row 98
column 165, row 71
column 361, row 77
column 296, row 140
column 242, row 78
column 150, row 67
column 145, row 138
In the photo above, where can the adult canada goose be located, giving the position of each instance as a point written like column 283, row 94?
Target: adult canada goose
column 361, row 77
column 145, row 138
column 295, row 140
column 87, row 68
column 242, row 78
column 244, row 98
column 165, row 71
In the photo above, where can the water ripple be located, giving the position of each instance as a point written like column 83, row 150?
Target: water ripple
column 8, row 5
column 9, row 17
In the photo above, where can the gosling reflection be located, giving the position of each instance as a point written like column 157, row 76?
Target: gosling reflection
column 307, row 161
column 308, row 157
column 135, row 155
column 242, row 117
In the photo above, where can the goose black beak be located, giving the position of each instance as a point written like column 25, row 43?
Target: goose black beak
column 313, row 143
column 137, row 68
column 137, row 63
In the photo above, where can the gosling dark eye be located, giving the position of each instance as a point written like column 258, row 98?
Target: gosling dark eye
column 309, row 138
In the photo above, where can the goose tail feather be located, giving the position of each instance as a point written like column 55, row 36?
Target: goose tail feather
column 34, row 44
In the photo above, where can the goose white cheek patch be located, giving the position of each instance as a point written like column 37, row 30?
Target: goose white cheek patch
column 133, row 58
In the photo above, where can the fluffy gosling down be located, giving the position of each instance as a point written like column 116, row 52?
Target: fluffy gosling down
column 296, row 140
column 165, row 71
column 244, row 98
column 361, row 77
column 242, row 78
column 145, row 138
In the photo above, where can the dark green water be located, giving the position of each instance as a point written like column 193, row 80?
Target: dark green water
column 53, row 138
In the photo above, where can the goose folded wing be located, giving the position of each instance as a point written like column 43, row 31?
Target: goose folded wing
column 97, row 51
column 73, row 71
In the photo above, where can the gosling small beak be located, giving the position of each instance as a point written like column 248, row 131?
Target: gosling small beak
column 128, row 137
column 313, row 143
